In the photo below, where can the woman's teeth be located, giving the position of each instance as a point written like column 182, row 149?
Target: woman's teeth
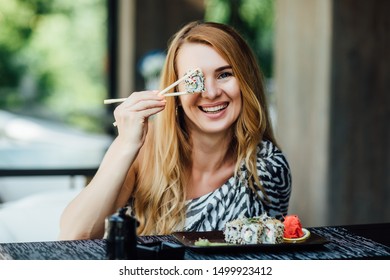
column 214, row 109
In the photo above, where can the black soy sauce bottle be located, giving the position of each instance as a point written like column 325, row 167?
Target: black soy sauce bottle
column 121, row 236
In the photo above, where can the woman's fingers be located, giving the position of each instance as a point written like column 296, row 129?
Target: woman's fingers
column 141, row 109
column 139, row 102
column 142, row 96
column 144, row 105
column 132, row 115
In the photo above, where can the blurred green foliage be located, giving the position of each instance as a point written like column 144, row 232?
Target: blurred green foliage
column 52, row 54
column 52, row 59
column 254, row 19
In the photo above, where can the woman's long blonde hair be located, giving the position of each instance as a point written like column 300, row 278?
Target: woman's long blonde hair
column 160, row 193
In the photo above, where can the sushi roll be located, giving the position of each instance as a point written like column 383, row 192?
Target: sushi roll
column 251, row 232
column 195, row 82
column 232, row 231
column 273, row 232
column 256, row 230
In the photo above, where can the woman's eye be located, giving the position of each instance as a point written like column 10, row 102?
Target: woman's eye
column 225, row 75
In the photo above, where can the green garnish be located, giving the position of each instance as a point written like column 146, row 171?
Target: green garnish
column 253, row 220
column 205, row 242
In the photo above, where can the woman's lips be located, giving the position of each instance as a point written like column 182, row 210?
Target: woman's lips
column 213, row 109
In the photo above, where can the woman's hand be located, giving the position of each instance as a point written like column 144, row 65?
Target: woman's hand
column 132, row 116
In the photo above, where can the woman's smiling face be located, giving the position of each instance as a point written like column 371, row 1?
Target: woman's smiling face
column 218, row 107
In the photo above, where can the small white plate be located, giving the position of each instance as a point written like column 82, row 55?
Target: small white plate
column 306, row 235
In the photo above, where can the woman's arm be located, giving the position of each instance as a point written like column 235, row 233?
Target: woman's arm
column 84, row 217
column 112, row 185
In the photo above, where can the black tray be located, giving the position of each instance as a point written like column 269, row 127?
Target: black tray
column 188, row 239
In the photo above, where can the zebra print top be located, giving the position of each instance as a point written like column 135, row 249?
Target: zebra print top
column 235, row 199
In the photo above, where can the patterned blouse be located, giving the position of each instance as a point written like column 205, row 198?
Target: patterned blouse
column 235, row 198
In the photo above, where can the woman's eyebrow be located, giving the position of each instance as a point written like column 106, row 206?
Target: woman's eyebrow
column 223, row 68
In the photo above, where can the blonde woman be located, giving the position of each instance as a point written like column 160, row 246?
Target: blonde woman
column 190, row 162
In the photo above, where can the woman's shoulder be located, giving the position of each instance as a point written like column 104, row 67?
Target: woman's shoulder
column 270, row 155
column 267, row 148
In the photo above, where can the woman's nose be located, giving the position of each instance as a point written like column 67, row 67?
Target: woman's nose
column 212, row 90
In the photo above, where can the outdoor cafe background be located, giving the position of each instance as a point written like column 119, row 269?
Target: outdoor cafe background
column 325, row 62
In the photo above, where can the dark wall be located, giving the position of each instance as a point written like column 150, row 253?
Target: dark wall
column 157, row 21
column 360, row 112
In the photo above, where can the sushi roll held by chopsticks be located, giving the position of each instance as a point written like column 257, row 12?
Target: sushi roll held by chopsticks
column 193, row 81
